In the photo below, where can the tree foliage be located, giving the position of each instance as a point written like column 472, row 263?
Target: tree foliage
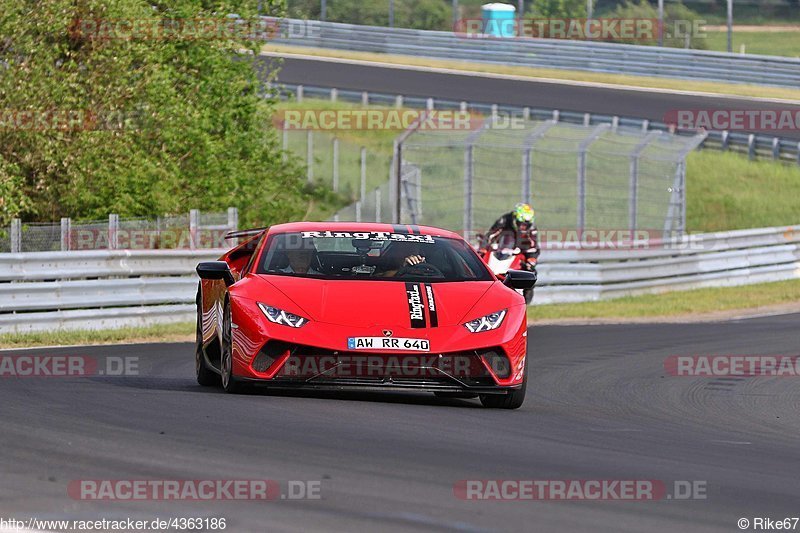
column 164, row 124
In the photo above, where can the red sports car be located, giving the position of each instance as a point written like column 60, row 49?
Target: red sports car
column 362, row 306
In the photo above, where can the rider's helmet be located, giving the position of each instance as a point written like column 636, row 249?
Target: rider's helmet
column 523, row 215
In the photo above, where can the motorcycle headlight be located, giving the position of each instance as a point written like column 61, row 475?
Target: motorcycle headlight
column 486, row 323
column 279, row 316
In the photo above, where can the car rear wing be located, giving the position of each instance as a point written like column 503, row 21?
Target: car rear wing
column 245, row 233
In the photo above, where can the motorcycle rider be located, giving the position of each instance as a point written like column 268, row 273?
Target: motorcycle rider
column 519, row 225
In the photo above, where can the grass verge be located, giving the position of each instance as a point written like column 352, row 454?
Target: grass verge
column 675, row 304
column 773, row 43
column 756, row 91
column 177, row 332
column 726, row 191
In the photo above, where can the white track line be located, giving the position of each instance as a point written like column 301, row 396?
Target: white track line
column 554, row 81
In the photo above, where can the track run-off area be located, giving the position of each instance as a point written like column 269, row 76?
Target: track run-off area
column 600, row 406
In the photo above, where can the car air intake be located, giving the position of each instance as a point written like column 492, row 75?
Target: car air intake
column 497, row 361
column 269, row 353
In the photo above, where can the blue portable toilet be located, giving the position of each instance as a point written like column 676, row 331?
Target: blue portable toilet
column 499, row 20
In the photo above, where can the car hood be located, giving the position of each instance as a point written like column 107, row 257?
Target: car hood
column 379, row 303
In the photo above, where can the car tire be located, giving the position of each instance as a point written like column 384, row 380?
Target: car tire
column 205, row 376
column 513, row 400
column 229, row 382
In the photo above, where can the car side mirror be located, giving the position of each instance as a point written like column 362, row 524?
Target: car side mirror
column 520, row 279
column 216, row 270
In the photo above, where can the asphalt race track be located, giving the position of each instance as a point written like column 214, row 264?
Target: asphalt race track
column 566, row 97
column 599, row 407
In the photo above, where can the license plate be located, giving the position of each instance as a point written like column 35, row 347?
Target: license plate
column 388, row 343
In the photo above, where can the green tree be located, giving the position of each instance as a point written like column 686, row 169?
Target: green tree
column 678, row 22
column 558, row 9
column 168, row 122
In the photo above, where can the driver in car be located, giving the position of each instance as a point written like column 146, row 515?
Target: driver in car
column 413, row 256
column 300, row 261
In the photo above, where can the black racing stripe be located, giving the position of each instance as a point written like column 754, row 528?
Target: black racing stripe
column 416, row 305
column 415, row 230
column 399, row 228
column 432, row 312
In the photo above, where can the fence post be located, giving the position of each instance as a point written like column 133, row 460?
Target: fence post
column 16, row 235
column 335, row 164
column 494, row 113
column 633, row 182
column 587, row 119
column 526, row 174
column 362, row 194
column 358, row 211
column 395, row 192
column 462, row 106
column 398, row 101
column 378, row 204
column 310, row 156
column 233, row 218
column 582, row 149
column 468, row 176
column 526, row 113
column 776, row 148
column 365, row 98
column 194, row 223
column 66, row 234
column 113, row 232
column 429, row 104
column 299, row 94
column 285, row 143
column 751, row 146
column 556, row 115
column 725, row 140
column 334, row 94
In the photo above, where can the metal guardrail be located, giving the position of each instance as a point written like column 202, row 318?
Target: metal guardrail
column 548, row 53
column 98, row 289
column 55, row 290
column 753, row 145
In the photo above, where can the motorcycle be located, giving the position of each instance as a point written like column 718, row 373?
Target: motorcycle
column 502, row 257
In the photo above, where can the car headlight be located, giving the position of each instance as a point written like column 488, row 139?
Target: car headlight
column 486, row 323
column 279, row 316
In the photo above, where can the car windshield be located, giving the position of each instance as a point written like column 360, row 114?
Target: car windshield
column 371, row 256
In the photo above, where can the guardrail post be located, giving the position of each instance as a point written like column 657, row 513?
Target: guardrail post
column 16, row 235
column 429, row 104
column 526, row 113
column 299, row 94
column 776, row 148
column 398, row 101
column 365, row 98
column 310, row 156
column 462, row 106
column 645, row 125
column 614, row 123
column 798, row 153
column 66, row 234
column 194, row 224
column 751, row 146
column 335, row 164
column 334, row 94
column 494, row 113
column 113, row 232
column 233, row 218
column 556, row 115
column 587, row 119
column 725, row 140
